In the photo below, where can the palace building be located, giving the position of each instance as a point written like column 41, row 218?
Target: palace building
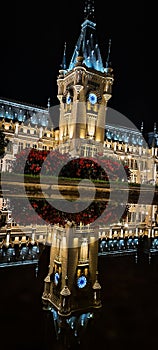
column 86, row 125
column 86, row 128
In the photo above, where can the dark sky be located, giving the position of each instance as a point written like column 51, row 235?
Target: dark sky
column 32, row 41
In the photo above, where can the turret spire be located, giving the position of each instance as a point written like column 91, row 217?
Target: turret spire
column 63, row 65
column 108, row 63
column 142, row 127
column 89, row 10
column 48, row 104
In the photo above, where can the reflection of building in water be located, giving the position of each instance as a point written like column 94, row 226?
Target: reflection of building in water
column 86, row 125
column 71, row 295
column 136, row 215
column 139, row 213
column 140, row 220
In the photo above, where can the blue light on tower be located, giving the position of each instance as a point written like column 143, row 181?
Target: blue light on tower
column 56, row 278
column 81, row 282
column 92, row 98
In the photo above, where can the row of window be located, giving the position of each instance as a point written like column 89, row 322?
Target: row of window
column 27, row 131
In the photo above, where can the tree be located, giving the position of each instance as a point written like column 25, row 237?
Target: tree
column 3, row 144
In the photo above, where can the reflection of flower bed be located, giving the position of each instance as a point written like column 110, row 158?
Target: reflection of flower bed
column 32, row 211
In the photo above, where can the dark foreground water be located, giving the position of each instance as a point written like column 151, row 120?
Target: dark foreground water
column 129, row 316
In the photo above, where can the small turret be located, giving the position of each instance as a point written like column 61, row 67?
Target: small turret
column 63, row 66
column 96, row 289
column 142, row 127
column 108, row 68
column 48, row 104
column 64, row 309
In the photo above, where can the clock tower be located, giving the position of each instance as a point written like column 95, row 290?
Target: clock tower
column 84, row 88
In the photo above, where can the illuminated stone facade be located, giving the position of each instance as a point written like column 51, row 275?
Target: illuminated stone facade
column 121, row 142
column 86, row 125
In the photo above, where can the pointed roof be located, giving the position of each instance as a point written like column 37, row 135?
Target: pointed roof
column 65, row 291
column 96, row 285
column 87, row 43
column 47, row 279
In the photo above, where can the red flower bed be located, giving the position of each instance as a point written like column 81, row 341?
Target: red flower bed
column 54, row 163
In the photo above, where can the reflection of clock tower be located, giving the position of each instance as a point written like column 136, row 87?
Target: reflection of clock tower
column 84, row 89
column 72, row 291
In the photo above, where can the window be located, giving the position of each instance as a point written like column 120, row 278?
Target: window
column 9, row 147
column 20, row 148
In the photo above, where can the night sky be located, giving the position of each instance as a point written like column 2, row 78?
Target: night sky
column 32, row 43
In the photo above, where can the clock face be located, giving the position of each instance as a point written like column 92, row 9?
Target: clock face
column 56, row 278
column 92, row 98
column 68, row 99
column 81, row 282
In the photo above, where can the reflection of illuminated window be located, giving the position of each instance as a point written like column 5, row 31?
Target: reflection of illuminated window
column 86, row 271
column 78, row 272
column 84, row 250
